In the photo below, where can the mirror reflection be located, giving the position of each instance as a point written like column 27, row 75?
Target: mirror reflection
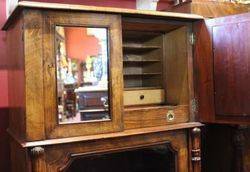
column 82, row 74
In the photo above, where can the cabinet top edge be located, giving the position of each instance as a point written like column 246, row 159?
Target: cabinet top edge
column 126, row 12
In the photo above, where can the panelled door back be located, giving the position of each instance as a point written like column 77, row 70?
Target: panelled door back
column 226, row 73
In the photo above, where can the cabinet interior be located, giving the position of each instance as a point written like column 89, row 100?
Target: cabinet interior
column 142, row 60
column 155, row 63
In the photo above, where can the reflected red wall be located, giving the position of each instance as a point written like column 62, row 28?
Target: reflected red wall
column 79, row 45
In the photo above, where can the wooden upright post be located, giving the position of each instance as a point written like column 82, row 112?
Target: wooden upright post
column 196, row 150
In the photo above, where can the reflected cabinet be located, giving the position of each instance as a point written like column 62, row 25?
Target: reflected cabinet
column 94, row 86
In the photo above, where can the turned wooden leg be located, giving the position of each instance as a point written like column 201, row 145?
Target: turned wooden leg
column 196, row 150
column 37, row 159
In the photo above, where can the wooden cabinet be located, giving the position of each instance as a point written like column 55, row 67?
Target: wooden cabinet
column 87, row 81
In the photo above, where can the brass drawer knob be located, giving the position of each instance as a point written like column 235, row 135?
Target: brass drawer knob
column 142, row 97
column 170, row 116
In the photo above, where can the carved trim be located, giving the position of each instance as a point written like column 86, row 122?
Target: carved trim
column 69, row 158
column 196, row 151
column 196, row 159
column 196, row 131
column 36, row 151
column 38, row 163
column 60, row 155
column 194, row 106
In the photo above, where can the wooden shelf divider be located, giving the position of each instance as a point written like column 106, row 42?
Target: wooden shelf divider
column 143, row 58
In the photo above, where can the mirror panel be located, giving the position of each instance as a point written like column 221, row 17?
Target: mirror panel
column 82, row 61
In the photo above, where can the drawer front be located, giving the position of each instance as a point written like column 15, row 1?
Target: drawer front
column 144, row 97
column 155, row 116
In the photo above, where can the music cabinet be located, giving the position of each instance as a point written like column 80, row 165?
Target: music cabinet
column 90, row 81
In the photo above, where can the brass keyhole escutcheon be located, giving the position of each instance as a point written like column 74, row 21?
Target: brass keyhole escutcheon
column 170, row 115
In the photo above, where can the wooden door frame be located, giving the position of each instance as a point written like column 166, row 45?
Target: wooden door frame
column 113, row 24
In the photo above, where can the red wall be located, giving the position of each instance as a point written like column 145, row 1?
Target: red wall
column 3, row 60
column 4, row 146
column 162, row 4
column 105, row 3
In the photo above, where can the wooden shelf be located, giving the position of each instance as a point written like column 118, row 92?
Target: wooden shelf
column 139, row 46
column 140, row 61
column 135, row 35
column 141, row 88
column 141, row 74
column 143, row 58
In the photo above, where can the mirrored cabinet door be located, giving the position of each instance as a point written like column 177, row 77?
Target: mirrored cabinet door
column 82, row 61
column 86, row 53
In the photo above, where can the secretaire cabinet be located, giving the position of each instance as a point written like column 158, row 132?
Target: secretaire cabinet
column 92, row 82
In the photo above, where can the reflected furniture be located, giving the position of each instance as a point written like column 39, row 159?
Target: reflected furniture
column 110, row 81
column 206, row 8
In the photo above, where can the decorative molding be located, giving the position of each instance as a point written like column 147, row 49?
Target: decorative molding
column 37, row 156
column 66, row 159
column 194, row 105
column 196, row 131
column 37, row 151
column 196, row 150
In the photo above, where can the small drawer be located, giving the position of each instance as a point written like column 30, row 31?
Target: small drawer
column 144, row 97
column 152, row 116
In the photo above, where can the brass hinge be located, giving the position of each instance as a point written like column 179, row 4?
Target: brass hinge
column 194, row 106
column 192, row 39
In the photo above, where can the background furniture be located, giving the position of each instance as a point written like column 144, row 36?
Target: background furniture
column 210, row 9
